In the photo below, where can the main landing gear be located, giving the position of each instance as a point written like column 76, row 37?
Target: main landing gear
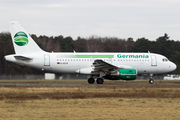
column 98, row 81
column 151, row 81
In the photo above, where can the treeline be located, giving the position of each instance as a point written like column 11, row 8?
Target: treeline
column 162, row 45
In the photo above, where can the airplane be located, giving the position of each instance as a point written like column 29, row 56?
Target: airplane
column 100, row 66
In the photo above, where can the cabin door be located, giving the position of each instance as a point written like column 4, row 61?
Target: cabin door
column 153, row 60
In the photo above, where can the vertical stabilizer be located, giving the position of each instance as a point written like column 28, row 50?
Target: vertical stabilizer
column 21, row 40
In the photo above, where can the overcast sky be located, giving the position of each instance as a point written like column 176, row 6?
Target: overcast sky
column 103, row 18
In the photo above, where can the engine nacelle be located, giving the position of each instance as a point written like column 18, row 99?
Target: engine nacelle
column 124, row 74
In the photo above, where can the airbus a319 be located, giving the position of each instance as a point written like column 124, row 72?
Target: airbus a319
column 112, row 66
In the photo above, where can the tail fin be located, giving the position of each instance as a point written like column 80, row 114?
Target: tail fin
column 22, row 42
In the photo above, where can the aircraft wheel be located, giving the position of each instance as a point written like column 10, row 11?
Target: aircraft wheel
column 99, row 81
column 91, row 80
column 151, row 81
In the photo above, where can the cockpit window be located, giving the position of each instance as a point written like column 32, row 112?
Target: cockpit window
column 165, row 60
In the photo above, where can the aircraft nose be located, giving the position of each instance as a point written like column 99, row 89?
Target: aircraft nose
column 173, row 66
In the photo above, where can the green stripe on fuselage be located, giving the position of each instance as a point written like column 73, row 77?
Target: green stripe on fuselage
column 85, row 56
column 94, row 56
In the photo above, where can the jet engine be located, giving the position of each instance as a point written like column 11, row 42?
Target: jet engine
column 124, row 74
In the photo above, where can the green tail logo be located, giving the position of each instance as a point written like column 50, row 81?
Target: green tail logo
column 21, row 39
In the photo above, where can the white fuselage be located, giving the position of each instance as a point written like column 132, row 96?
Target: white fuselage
column 144, row 63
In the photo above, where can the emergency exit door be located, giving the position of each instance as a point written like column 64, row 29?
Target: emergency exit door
column 46, row 60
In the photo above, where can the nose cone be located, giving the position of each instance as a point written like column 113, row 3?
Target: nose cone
column 173, row 66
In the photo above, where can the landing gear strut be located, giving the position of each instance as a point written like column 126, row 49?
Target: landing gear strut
column 151, row 81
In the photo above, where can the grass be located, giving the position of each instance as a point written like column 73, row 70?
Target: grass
column 99, row 102
column 91, row 109
column 84, row 91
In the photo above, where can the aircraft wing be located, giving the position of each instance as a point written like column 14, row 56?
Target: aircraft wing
column 100, row 65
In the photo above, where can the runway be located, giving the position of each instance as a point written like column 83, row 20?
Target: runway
column 86, row 84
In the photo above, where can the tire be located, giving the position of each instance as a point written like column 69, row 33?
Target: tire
column 151, row 81
column 99, row 81
column 91, row 80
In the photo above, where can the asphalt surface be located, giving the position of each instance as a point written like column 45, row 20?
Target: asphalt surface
column 79, row 84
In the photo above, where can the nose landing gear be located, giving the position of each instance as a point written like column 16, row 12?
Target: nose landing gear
column 151, row 81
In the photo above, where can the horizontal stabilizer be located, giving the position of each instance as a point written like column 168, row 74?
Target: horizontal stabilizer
column 22, row 58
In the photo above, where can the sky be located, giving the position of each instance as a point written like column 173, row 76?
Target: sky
column 103, row 18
